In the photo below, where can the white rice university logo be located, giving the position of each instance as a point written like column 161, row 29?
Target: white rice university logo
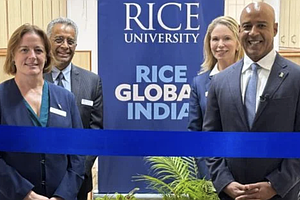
column 135, row 18
column 174, row 37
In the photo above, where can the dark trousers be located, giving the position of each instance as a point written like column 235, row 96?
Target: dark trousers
column 83, row 191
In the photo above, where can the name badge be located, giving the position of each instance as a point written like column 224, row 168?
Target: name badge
column 87, row 102
column 58, row 112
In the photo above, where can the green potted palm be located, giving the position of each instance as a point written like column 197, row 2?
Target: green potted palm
column 175, row 178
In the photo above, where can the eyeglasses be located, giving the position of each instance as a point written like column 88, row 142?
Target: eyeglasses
column 60, row 40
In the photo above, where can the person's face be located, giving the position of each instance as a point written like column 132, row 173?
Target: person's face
column 223, row 44
column 30, row 55
column 63, row 44
column 257, row 30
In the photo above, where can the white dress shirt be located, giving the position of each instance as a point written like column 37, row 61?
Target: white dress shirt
column 67, row 76
column 214, row 71
column 263, row 72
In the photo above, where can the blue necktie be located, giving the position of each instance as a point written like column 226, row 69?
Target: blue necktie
column 59, row 79
column 250, row 95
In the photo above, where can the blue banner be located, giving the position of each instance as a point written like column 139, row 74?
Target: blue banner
column 148, row 53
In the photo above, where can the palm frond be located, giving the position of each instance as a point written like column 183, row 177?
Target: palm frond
column 193, row 168
column 177, row 179
column 169, row 165
column 155, row 184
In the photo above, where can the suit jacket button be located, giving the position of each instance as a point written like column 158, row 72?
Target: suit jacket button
column 43, row 162
column 43, row 182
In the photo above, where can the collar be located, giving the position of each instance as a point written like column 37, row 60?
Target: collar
column 66, row 72
column 265, row 63
column 214, row 71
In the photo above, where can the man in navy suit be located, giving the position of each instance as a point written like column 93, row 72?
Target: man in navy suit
column 260, row 93
column 85, row 85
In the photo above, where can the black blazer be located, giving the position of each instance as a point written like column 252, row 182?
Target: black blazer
column 279, row 112
column 46, row 174
column 87, row 88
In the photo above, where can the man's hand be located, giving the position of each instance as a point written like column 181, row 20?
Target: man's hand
column 56, row 198
column 34, row 196
column 235, row 189
column 264, row 192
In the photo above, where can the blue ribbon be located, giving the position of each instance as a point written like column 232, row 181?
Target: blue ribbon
column 149, row 143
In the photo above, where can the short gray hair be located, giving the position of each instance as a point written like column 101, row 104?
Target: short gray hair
column 62, row 20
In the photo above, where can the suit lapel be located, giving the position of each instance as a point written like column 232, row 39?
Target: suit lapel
column 278, row 74
column 17, row 105
column 234, row 81
column 75, row 81
column 207, row 83
column 48, row 77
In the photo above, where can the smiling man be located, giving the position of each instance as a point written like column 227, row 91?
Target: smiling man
column 260, row 93
column 85, row 85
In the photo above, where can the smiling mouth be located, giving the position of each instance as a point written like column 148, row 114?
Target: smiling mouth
column 254, row 42
column 63, row 54
column 221, row 51
column 31, row 64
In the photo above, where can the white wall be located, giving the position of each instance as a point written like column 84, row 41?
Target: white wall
column 276, row 6
column 84, row 14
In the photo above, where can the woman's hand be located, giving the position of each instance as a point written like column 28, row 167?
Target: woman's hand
column 34, row 196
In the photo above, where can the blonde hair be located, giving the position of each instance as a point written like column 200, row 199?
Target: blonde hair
column 14, row 41
column 209, row 59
